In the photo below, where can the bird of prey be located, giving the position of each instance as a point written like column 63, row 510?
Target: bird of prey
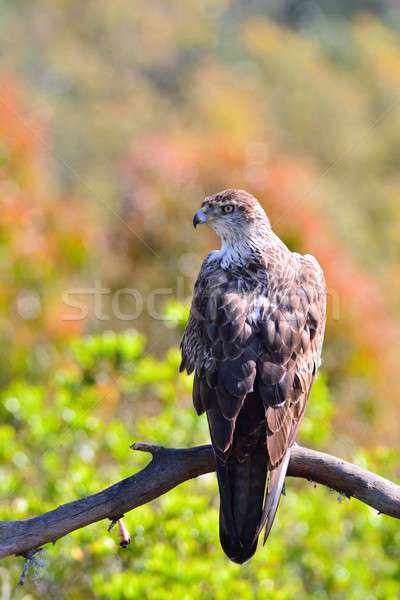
column 253, row 339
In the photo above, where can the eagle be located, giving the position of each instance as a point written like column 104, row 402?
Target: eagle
column 253, row 340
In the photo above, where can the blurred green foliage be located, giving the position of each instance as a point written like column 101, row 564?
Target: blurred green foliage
column 71, row 437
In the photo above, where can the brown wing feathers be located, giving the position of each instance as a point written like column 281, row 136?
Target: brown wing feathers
column 252, row 378
column 230, row 375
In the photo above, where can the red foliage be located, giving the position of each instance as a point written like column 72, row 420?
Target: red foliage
column 44, row 237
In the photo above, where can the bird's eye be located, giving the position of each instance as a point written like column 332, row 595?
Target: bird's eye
column 228, row 208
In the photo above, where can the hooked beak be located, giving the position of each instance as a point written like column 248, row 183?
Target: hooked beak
column 199, row 218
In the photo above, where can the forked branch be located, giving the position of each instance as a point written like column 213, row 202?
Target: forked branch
column 171, row 466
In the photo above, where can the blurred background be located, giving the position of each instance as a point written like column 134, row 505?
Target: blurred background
column 115, row 120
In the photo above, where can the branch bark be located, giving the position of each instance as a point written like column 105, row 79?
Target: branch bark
column 168, row 468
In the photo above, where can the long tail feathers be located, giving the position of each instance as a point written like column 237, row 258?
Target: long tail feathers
column 244, row 511
column 276, row 480
column 242, row 486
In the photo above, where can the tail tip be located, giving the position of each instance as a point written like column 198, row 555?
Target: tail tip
column 241, row 555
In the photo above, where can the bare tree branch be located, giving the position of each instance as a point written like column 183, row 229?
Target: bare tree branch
column 168, row 468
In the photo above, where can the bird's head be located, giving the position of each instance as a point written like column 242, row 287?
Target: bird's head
column 235, row 215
